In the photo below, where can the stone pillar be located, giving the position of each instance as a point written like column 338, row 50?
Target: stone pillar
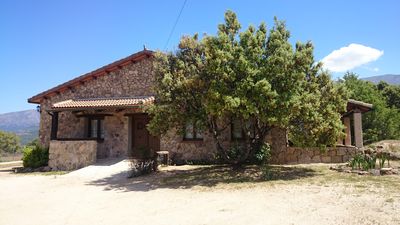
column 358, row 135
column 346, row 121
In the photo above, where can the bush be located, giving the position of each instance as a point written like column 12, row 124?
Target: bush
column 260, row 156
column 263, row 154
column 367, row 160
column 35, row 156
column 143, row 166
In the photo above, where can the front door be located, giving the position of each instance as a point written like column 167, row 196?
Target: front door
column 144, row 145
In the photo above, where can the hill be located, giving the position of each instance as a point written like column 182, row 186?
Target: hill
column 24, row 123
column 388, row 78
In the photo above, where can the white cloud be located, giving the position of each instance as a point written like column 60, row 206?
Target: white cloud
column 350, row 57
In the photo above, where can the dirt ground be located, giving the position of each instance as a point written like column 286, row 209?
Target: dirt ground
column 101, row 194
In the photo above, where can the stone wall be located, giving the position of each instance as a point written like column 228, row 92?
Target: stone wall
column 136, row 79
column 181, row 150
column 296, row 155
column 205, row 150
column 71, row 155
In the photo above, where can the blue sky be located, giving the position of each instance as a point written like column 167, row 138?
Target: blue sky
column 45, row 43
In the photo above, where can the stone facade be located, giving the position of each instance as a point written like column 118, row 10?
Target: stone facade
column 295, row 155
column 136, row 79
column 205, row 150
column 133, row 79
column 71, row 155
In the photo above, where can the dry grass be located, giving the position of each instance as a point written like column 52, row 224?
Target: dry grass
column 311, row 174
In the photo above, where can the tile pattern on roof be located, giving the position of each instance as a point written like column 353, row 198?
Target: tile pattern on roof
column 104, row 102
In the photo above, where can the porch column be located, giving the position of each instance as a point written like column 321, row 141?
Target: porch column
column 346, row 121
column 54, row 126
column 358, row 135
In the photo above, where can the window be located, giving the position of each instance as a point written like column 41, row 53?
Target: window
column 96, row 128
column 192, row 132
column 237, row 131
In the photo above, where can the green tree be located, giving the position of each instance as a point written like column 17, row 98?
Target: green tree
column 391, row 93
column 252, row 76
column 9, row 142
column 383, row 122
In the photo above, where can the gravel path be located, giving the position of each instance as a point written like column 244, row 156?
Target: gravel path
column 101, row 194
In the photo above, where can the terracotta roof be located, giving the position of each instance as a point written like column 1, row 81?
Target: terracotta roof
column 96, row 73
column 102, row 103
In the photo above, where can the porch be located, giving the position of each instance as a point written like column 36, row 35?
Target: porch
column 352, row 120
column 85, row 130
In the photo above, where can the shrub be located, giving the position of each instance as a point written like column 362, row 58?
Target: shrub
column 263, row 154
column 143, row 166
column 35, row 156
column 367, row 160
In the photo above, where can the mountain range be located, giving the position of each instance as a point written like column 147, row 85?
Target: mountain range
column 25, row 124
column 388, row 78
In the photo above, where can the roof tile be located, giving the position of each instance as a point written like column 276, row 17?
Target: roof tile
column 104, row 102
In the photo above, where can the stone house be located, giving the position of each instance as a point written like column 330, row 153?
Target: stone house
column 100, row 114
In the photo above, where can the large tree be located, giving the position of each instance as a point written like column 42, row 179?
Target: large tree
column 253, row 76
column 9, row 142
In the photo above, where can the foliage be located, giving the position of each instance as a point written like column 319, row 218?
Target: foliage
column 33, row 142
column 142, row 167
column 35, row 156
column 383, row 122
column 366, row 161
column 263, row 154
column 254, row 76
column 391, row 93
column 9, row 142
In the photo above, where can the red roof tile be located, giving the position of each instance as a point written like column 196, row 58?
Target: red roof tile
column 100, row 103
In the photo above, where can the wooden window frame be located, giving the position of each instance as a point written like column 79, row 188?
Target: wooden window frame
column 241, row 128
column 194, row 132
column 253, row 128
column 99, row 120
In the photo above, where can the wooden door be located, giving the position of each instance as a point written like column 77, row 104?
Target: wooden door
column 144, row 145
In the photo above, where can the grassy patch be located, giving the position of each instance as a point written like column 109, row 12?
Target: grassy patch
column 248, row 176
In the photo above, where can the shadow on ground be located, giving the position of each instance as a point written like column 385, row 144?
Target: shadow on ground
column 203, row 176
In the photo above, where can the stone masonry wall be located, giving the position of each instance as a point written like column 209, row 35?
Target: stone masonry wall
column 71, row 155
column 135, row 79
column 205, row 150
column 296, row 155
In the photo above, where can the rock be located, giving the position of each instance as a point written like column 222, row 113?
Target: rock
column 46, row 169
column 326, row 159
column 362, row 172
column 316, row 159
column 337, row 159
column 375, row 172
column 304, row 159
column 386, row 171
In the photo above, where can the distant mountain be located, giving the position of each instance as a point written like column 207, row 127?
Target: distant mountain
column 23, row 123
column 388, row 78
